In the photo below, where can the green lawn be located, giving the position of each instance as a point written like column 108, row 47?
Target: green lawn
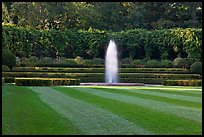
column 101, row 110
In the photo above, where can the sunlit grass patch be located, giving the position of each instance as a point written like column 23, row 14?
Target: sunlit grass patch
column 101, row 110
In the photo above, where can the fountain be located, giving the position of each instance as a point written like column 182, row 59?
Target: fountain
column 111, row 69
column 111, row 63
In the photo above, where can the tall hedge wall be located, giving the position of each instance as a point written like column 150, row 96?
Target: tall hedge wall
column 136, row 43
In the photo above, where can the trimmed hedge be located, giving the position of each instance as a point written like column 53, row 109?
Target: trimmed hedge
column 9, row 79
column 70, row 65
column 135, row 43
column 182, row 82
column 196, row 67
column 127, row 80
column 179, row 62
column 45, row 81
column 147, row 78
column 79, row 75
column 8, row 58
column 153, row 64
column 100, row 70
column 142, row 80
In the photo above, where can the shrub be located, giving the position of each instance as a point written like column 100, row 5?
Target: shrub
column 137, row 62
column 88, row 62
column 196, row 67
column 142, row 80
column 182, row 82
column 79, row 60
column 9, row 79
column 153, row 64
column 70, row 62
column 100, row 75
column 179, row 62
column 167, row 63
column 5, row 68
column 8, row 58
column 45, row 81
column 100, row 70
column 98, row 61
column 60, row 60
column 127, row 61
column 46, row 60
column 189, row 62
column 29, row 62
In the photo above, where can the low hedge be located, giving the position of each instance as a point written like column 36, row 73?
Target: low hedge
column 70, row 65
column 45, row 81
column 129, row 80
column 182, row 82
column 9, row 79
column 100, row 75
column 100, row 70
column 142, row 80
column 126, row 80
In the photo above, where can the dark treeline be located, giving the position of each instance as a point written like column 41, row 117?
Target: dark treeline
column 109, row 16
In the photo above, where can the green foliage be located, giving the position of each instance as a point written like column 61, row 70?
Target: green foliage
column 134, row 43
column 46, row 60
column 166, row 63
column 79, row 60
column 114, row 16
column 88, row 62
column 71, row 62
column 142, row 80
column 127, row 61
column 29, row 62
column 5, row 68
column 100, row 70
column 196, row 67
column 153, row 64
column 8, row 58
column 138, row 62
column 190, row 61
column 45, row 81
column 182, row 82
column 9, row 79
column 188, row 40
column 98, row 61
column 179, row 62
column 100, row 76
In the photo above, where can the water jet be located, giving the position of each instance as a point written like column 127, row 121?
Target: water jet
column 111, row 63
column 111, row 69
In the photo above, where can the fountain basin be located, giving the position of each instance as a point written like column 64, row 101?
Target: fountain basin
column 112, row 84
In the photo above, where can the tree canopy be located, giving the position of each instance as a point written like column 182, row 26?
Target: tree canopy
column 110, row 16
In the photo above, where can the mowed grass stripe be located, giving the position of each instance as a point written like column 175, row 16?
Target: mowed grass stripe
column 175, row 95
column 186, row 91
column 23, row 113
column 190, row 93
column 152, row 120
column 89, row 118
column 173, row 99
column 181, row 111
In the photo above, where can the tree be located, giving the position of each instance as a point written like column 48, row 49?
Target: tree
column 113, row 16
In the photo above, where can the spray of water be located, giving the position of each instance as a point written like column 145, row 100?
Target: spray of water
column 111, row 63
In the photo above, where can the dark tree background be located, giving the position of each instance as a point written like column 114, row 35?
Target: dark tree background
column 111, row 16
